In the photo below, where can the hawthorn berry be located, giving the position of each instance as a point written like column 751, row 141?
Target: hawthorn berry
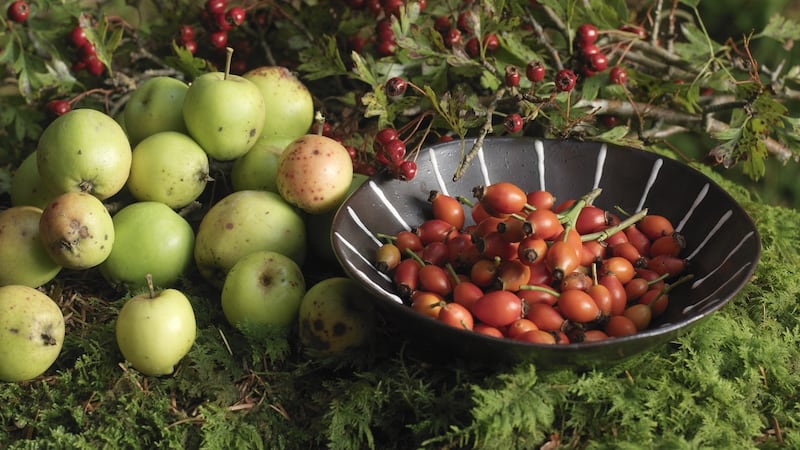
column 19, row 11
column 218, row 39
column 512, row 76
column 78, row 37
column 618, row 75
column 186, row 33
column 221, row 23
column 94, row 66
column 598, row 62
column 408, row 170
column 387, row 48
column 586, row 34
column 235, row 16
column 490, row 42
column 216, row 6
column 385, row 135
column 513, row 123
column 565, row 80
column 396, row 87
column 392, row 7
column 442, row 24
column 472, row 47
column 452, row 38
column 395, row 151
column 534, row 71
column 191, row 46
column 58, row 107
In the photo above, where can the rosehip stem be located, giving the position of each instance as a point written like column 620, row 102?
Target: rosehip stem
column 533, row 287
column 605, row 234
column 668, row 287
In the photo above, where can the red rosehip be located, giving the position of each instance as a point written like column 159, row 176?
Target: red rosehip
column 19, row 11
column 512, row 76
column 513, row 123
column 408, row 170
column 396, row 87
column 534, row 71
column 235, row 16
column 78, row 37
column 565, row 80
column 216, row 6
column 586, row 34
column 618, row 75
column 55, row 108
column 218, row 39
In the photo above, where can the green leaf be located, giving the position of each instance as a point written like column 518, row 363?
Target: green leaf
column 691, row 3
column 781, row 28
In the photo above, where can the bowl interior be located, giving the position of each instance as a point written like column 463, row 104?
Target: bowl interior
column 722, row 243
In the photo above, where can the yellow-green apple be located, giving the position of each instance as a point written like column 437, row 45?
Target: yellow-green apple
column 84, row 150
column 31, row 332
column 335, row 314
column 263, row 288
column 76, row 230
column 27, row 186
column 258, row 168
column 224, row 113
column 155, row 105
column 155, row 330
column 244, row 222
column 314, row 173
column 289, row 104
column 22, row 255
column 149, row 238
column 168, row 167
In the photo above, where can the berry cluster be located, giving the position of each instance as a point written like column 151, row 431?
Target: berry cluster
column 465, row 28
column 18, row 11
column 86, row 53
column 390, row 152
column 218, row 20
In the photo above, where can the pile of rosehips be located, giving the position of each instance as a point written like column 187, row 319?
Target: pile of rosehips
column 532, row 270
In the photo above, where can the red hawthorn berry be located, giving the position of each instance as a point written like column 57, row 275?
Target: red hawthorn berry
column 608, row 120
column 534, row 71
column 218, row 39
column 472, row 47
column 387, row 48
column 465, row 21
column 452, row 37
column 586, row 34
column 235, row 16
column 512, row 76
column 55, row 108
column 565, row 80
column 186, row 33
column 216, row 6
column 598, row 62
column 408, row 170
column 78, row 37
column 19, row 11
column 94, row 66
column 386, row 135
column 490, row 42
column 618, row 75
column 396, row 87
column 442, row 24
column 191, row 46
column 513, row 123
column 392, row 7
column 221, row 23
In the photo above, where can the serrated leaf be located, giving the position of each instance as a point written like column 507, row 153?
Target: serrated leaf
column 362, row 71
column 697, row 46
column 781, row 28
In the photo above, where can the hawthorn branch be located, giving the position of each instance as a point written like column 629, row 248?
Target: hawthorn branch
column 680, row 121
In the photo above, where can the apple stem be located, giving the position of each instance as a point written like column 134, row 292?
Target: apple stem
column 150, row 287
column 228, row 58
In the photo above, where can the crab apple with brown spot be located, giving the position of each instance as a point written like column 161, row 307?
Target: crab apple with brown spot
column 314, row 173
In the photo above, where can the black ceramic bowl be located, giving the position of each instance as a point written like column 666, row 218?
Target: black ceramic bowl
column 722, row 243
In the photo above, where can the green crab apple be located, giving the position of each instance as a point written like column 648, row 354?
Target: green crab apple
column 76, row 230
column 84, row 150
column 258, row 168
column 31, row 332
column 289, row 104
column 244, row 222
column 155, row 105
column 314, row 173
column 22, row 255
column 335, row 314
column 155, row 330
column 168, row 167
column 27, row 186
column 224, row 113
column 263, row 288
column 149, row 238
